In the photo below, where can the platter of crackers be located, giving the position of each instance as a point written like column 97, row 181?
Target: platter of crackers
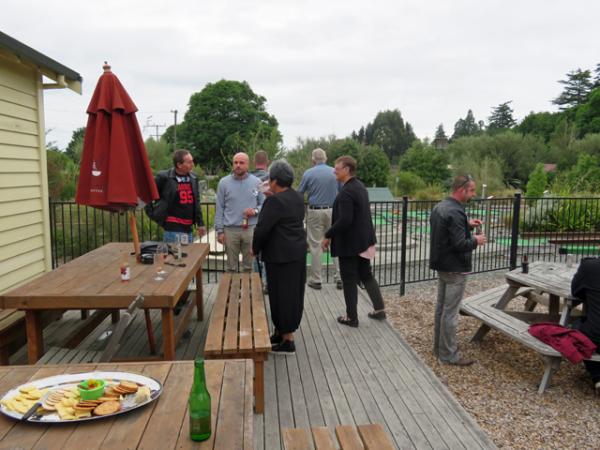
column 79, row 397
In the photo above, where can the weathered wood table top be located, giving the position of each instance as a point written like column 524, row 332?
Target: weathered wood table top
column 551, row 277
column 162, row 424
column 93, row 281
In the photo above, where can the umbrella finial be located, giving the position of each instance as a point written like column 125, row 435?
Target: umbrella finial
column 106, row 67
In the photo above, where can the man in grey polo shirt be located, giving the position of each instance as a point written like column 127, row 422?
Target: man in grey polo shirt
column 321, row 186
column 239, row 200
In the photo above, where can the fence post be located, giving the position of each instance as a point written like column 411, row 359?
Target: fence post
column 514, row 233
column 403, row 245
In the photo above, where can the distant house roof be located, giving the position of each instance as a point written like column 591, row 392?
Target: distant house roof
column 549, row 167
column 380, row 194
column 52, row 69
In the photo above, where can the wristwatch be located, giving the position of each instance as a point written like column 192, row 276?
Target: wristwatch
column 256, row 211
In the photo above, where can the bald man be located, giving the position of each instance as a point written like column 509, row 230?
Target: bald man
column 239, row 201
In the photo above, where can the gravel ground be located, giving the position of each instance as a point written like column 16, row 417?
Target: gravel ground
column 500, row 389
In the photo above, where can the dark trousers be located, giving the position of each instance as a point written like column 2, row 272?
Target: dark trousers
column 593, row 367
column 285, row 284
column 352, row 270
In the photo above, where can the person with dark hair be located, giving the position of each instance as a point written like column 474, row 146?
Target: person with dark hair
column 280, row 238
column 451, row 247
column 586, row 287
column 353, row 241
column 180, row 199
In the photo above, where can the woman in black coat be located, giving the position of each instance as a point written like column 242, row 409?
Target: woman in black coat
column 280, row 239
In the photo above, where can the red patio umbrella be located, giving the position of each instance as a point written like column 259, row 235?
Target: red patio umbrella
column 114, row 174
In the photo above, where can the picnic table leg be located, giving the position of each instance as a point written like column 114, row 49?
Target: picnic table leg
column 552, row 364
column 150, row 332
column 554, row 305
column 115, row 315
column 508, row 295
column 35, row 338
column 168, row 331
column 199, row 295
column 259, row 387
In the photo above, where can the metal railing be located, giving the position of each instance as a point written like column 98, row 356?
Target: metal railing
column 542, row 228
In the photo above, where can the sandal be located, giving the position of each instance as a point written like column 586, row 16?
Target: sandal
column 378, row 315
column 345, row 320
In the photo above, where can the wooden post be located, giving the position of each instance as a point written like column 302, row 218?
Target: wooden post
column 134, row 235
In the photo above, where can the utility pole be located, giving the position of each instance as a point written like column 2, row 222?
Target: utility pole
column 174, row 111
column 155, row 126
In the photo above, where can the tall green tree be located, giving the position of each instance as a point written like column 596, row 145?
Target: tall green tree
column 541, row 124
column 587, row 116
column 62, row 174
column 224, row 118
column 159, row 154
column 75, row 146
column 389, row 132
column 538, row 180
column 430, row 164
column 440, row 133
column 501, row 118
column 576, row 89
column 467, row 126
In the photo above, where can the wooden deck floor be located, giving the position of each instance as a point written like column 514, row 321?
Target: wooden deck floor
column 339, row 375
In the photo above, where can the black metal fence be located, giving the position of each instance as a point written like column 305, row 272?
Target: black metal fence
column 542, row 228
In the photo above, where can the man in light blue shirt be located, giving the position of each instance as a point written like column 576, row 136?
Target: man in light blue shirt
column 239, row 200
column 321, row 187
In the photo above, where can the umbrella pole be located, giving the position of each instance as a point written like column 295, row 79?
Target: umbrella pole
column 134, row 234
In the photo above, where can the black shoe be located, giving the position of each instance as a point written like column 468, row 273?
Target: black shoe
column 285, row 348
column 379, row 315
column 316, row 286
column 276, row 339
column 347, row 321
column 338, row 284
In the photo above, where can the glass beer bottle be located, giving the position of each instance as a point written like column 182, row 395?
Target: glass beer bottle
column 199, row 404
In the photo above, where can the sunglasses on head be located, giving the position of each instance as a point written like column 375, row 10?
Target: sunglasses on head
column 468, row 179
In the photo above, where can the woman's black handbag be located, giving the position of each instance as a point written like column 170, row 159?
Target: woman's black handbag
column 148, row 250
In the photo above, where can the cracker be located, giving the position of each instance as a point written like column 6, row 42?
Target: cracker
column 105, row 408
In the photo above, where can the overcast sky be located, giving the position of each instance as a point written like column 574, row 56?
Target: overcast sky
column 324, row 67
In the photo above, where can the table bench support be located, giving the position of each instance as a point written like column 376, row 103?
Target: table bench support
column 35, row 341
column 259, row 386
column 508, row 295
column 552, row 364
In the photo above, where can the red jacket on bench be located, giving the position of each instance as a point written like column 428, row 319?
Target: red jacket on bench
column 572, row 344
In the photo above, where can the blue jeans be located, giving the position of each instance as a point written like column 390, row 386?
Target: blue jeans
column 171, row 236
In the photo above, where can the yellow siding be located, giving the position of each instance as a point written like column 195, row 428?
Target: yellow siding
column 24, row 224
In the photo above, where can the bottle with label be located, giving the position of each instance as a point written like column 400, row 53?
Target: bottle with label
column 199, row 405
column 178, row 247
column 524, row 264
column 245, row 223
column 125, row 271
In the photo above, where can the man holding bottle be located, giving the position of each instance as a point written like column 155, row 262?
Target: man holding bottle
column 451, row 247
column 239, row 200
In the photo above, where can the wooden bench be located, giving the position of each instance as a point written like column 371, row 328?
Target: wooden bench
column 12, row 330
column 60, row 355
column 367, row 437
column 513, row 324
column 238, row 327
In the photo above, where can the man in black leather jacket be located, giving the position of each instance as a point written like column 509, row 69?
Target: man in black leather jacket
column 450, row 255
column 179, row 205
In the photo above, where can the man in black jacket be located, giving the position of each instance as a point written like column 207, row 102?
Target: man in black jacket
column 179, row 204
column 353, row 241
column 450, row 255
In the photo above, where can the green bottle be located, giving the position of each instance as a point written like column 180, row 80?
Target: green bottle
column 199, row 404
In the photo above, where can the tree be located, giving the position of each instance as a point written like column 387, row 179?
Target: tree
column 585, row 175
column 159, row 154
column 440, row 133
column 467, row 126
column 430, row 164
column 541, row 124
column 587, row 116
column 224, row 118
column 538, row 180
column 501, row 118
column 62, row 174
column 577, row 87
column 597, row 77
column 75, row 146
column 389, row 132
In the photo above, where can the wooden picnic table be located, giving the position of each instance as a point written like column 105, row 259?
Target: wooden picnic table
column 92, row 281
column 552, row 278
column 162, row 424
